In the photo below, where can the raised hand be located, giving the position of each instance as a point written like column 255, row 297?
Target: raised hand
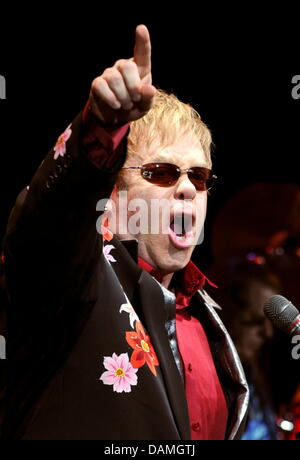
column 124, row 92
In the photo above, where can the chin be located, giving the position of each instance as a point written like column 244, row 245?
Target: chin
column 164, row 256
column 173, row 263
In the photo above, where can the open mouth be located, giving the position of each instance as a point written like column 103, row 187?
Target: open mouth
column 181, row 230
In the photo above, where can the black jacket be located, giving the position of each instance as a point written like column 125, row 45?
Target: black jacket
column 64, row 319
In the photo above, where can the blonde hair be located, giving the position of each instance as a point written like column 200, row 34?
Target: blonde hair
column 168, row 120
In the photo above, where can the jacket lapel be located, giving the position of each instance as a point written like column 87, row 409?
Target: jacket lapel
column 125, row 267
column 155, row 319
column 147, row 298
column 227, row 362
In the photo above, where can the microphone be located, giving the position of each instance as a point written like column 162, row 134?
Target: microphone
column 283, row 314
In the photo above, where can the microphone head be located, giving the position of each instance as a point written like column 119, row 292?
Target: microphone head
column 282, row 313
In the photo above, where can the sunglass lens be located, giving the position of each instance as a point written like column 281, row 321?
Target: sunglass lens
column 201, row 178
column 166, row 175
column 162, row 174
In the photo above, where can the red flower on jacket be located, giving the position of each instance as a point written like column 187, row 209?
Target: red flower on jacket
column 143, row 350
column 106, row 233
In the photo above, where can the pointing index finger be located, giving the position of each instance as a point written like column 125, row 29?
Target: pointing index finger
column 142, row 50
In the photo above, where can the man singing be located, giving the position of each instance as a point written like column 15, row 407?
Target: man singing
column 111, row 334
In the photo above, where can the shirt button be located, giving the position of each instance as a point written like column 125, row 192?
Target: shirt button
column 196, row 427
column 190, row 367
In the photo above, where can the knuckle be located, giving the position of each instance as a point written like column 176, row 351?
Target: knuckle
column 95, row 84
column 128, row 65
column 106, row 71
column 120, row 63
column 113, row 75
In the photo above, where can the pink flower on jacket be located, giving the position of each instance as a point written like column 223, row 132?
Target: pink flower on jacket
column 60, row 146
column 120, row 373
column 106, row 251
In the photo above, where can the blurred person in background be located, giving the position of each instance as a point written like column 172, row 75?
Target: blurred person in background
column 256, row 251
column 244, row 287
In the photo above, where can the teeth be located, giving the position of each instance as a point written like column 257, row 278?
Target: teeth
column 181, row 225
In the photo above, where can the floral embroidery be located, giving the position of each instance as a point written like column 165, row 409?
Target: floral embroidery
column 106, row 252
column 106, row 233
column 60, row 147
column 143, row 350
column 128, row 308
column 120, row 373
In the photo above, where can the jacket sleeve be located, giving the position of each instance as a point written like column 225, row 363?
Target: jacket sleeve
column 52, row 246
column 53, row 264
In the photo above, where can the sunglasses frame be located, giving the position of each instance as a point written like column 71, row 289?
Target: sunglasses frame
column 181, row 171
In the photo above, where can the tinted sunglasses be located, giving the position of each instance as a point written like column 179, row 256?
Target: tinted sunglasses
column 167, row 174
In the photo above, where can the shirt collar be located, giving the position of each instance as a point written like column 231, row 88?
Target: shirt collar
column 186, row 282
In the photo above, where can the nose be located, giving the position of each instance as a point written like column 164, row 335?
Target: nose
column 185, row 190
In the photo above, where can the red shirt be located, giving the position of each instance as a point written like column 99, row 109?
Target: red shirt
column 206, row 402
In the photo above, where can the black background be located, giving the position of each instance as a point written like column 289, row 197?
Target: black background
column 234, row 65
